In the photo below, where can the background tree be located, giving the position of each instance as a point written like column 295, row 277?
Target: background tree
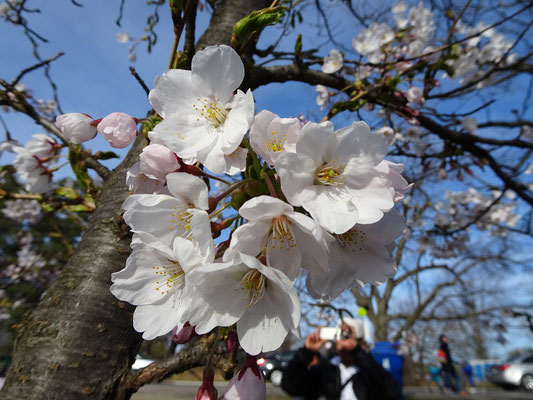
column 469, row 159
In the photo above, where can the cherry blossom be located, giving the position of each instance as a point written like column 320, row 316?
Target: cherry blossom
column 247, row 383
column 469, row 124
column 119, row 129
column 415, row 95
column 329, row 175
column 207, row 390
column 322, row 97
column 155, row 280
column 292, row 240
column 183, row 335
column 261, row 300
column 370, row 40
column 333, row 62
column 181, row 213
column 360, row 255
column 30, row 162
column 271, row 135
column 19, row 209
column 206, row 121
column 235, row 162
column 157, row 161
column 123, row 37
column 76, row 127
column 139, row 183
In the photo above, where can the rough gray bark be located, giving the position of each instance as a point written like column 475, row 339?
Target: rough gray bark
column 79, row 342
column 80, row 338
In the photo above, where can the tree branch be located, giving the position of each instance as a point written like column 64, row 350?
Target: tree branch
column 23, row 106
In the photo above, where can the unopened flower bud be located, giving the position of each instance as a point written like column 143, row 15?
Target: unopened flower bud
column 248, row 383
column 157, row 161
column 119, row 129
column 185, row 334
column 207, row 390
column 232, row 341
column 76, row 127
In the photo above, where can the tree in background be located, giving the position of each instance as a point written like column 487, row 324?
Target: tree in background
column 435, row 81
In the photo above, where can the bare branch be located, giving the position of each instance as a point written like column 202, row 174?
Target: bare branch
column 34, row 67
column 23, row 106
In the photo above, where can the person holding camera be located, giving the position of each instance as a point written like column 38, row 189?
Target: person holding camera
column 351, row 375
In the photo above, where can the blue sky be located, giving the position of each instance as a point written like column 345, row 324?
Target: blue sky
column 93, row 75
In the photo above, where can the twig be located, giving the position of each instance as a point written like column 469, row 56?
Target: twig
column 140, row 80
column 36, row 66
column 120, row 12
column 178, row 29
column 23, row 106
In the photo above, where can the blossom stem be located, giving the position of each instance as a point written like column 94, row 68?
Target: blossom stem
column 232, row 188
column 334, row 111
column 59, row 166
column 212, row 351
column 216, row 178
column 269, row 184
column 215, row 213
column 23, row 196
column 257, row 166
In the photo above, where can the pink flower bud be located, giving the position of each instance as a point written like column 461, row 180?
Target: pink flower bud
column 248, row 383
column 157, row 161
column 207, row 390
column 119, row 129
column 232, row 342
column 184, row 335
column 76, row 127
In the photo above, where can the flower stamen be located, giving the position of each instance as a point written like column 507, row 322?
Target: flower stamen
column 277, row 143
column 211, row 110
column 254, row 282
column 170, row 275
column 282, row 234
column 330, row 174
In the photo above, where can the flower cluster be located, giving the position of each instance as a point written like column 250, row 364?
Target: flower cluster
column 492, row 211
column 118, row 128
column 34, row 162
column 409, row 37
column 313, row 199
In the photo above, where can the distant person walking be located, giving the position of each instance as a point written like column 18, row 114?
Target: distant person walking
column 449, row 374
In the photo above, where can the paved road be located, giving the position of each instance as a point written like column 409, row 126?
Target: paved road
column 186, row 390
column 480, row 394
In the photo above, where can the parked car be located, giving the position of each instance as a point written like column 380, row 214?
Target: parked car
column 141, row 362
column 274, row 365
column 514, row 373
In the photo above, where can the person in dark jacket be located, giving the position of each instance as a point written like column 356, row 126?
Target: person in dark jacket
column 311, row 376
column 451, row 380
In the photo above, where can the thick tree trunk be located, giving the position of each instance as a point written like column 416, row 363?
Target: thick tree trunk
column 79, row 342
column 80, row 338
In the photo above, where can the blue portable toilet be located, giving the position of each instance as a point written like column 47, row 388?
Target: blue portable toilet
column 386, row 353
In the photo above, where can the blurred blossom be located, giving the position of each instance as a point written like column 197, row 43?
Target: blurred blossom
column 333, row 62
column 322, row 97
column 24, row 210
column 46, row 107
column 526, row 132
column 123, row 37
column 415, row 95
column 132, row 53
column 469, row 125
